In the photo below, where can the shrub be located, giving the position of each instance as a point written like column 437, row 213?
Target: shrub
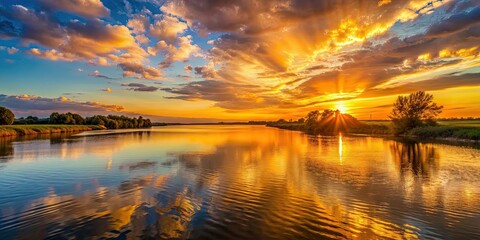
column 6, row 116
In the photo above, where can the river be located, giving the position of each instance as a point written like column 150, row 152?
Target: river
column 235, row 182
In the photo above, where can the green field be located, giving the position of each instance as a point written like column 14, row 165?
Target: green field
column 19, row 130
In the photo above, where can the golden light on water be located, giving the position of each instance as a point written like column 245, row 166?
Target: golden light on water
column 333, row 177
column 340, row 146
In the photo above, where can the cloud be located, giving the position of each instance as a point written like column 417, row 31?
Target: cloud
column 188, row 69
column 266, row 54
column 23, row 105
column 12, row 50
column 142, row 39
column 97, row 74
column 52, row 55
column 226, row 95
column 106, row 90
column 180, row 52
column 138, row 23
column 146, row 72
column 7, row 29
column 92, row 40
column 439, row 83
column 299, row 53
column 85, row 8
column 206, row 72
column 455, row 23
column 167, row 29
column 138, row 87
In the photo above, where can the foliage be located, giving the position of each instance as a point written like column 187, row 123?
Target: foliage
column 110, row 121
column 119, row 122
column 66, row 118
column 414, row 110
column 31, row 120
column 6, row 116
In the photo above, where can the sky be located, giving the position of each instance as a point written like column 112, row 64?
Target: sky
column 237, row 60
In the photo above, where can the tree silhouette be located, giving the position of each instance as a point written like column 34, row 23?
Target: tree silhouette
column 414, row 110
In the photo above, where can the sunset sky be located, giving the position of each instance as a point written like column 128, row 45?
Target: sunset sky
column 237, row 60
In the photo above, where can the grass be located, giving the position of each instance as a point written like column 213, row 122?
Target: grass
column 19, row 130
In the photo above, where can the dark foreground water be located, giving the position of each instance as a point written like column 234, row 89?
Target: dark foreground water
column 236, row 182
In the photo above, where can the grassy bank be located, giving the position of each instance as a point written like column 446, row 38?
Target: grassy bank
column 446, row 130
column 20, row 130
column 371, row 128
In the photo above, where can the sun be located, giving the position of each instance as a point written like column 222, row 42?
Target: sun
column 341, row 107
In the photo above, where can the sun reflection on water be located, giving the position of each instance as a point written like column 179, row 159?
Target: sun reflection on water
column 196, row 181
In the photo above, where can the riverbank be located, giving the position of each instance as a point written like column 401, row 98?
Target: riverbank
column 440, row 132
column 21, row 130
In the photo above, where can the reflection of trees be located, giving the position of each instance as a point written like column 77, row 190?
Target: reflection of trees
column 6, row 149
column 418, row 158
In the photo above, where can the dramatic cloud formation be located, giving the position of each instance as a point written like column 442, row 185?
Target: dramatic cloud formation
column 252, row 56
column 94, row 40
column 307, row 53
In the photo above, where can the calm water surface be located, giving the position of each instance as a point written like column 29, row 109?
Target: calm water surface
column 243, row 182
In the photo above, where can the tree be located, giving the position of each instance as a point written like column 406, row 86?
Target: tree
column 6, row 116
column 112, row 124
column 414, row 110
column 327, row 113
column 79, row 120
column 312, row 117
column 96, row 120
column 54, row 118
column 311, row 120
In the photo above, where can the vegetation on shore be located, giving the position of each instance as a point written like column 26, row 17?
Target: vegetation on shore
column 412, row 116
column 64, row 122
column 6, row 116
column 449, row 130
column 20, row 130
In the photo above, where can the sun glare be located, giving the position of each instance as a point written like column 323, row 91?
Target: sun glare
column 340, row 106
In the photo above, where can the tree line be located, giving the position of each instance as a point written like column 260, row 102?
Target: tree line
column 110, row 121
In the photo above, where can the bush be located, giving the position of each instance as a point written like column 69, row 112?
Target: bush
column 6, row 116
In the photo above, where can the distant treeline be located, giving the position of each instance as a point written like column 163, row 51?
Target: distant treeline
column 110, row 121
